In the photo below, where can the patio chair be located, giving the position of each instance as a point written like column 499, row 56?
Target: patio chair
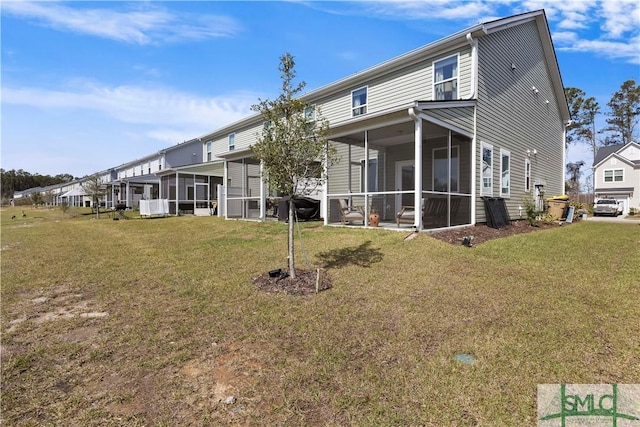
column 349, row 214
column 407, row 214
column 436, row 209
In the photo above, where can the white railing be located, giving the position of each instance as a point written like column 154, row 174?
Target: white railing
column 154, row 207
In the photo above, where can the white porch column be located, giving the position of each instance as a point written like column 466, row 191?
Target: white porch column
column 366, row 177
column 225, row 185
column 474, row 169
column 177, row 193
column 127, row 201
column 324, row 206
column 418, row 169
column 263, row 196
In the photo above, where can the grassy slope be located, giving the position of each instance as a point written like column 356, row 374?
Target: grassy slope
column 186, row 328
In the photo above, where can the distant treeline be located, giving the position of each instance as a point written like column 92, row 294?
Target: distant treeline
column 12, row 181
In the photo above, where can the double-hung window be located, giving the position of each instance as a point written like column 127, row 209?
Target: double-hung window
column 487, row 170
column 614, row 175
column 445, row 79
column 232, row 141
column 505, row 173
column 359, row 102
column 209, row 151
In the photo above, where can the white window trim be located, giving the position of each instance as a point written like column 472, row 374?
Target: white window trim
column 483, row 190
column 433, row 76
column 231, row 140
column 312, row 109
column 208, row 150
column 433, row 162
column 527, row 175
column 613, row 175
column 365, row 105
column 505, row 153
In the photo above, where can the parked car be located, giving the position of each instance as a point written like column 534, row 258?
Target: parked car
column 607, row 207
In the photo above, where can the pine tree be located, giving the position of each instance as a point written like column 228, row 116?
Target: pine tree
column 624, row 114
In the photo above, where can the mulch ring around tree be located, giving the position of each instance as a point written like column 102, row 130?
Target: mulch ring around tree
column 303, row 284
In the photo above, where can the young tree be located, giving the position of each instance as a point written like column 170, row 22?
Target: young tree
column 624, row 114
column 95, row 188
column 293, row 147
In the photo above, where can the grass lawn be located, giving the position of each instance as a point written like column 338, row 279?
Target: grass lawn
column 156, row 323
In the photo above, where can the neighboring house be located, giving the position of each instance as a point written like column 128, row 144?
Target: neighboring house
column 481, row 113
column 616, row 171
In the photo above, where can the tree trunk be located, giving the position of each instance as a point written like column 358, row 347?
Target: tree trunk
column 292, row 219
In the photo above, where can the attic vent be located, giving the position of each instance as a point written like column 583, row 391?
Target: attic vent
column 614, row 161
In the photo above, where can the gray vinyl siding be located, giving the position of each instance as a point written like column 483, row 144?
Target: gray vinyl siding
column 244, row 138
column 183, row 155
column 413, row 83
column 511, row 116
column 461, row 117
column 403, row 86
column 338, row 178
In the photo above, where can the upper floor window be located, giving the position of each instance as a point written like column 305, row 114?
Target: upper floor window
column 310, row 113
column 232, row 141
column 209, row 151
column 505, row 173
column 614, row 175
column 359, row 102
column 445, row 79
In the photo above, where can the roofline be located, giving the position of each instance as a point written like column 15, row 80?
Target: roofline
column 416, row 55
column 615, row 153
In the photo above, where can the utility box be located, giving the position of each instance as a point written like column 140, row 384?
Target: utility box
column 557, row 208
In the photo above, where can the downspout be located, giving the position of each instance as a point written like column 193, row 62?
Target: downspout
column 418, row 166
column 474, row 65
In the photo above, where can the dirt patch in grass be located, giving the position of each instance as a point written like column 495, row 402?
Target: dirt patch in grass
column 482, row 233
column 303, row 284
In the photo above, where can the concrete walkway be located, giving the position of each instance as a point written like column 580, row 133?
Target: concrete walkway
column 628, row 219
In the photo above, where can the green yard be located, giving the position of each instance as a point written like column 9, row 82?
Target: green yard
column 157, row 323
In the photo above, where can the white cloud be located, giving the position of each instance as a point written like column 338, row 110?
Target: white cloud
column 156, row 108
column 143, row 25
column 620, row 17
column 618, row 50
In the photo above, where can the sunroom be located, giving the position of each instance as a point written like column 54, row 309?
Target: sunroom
column 394, row 162
column 377, row 172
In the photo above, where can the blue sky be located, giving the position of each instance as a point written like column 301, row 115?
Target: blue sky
column 90, row 85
